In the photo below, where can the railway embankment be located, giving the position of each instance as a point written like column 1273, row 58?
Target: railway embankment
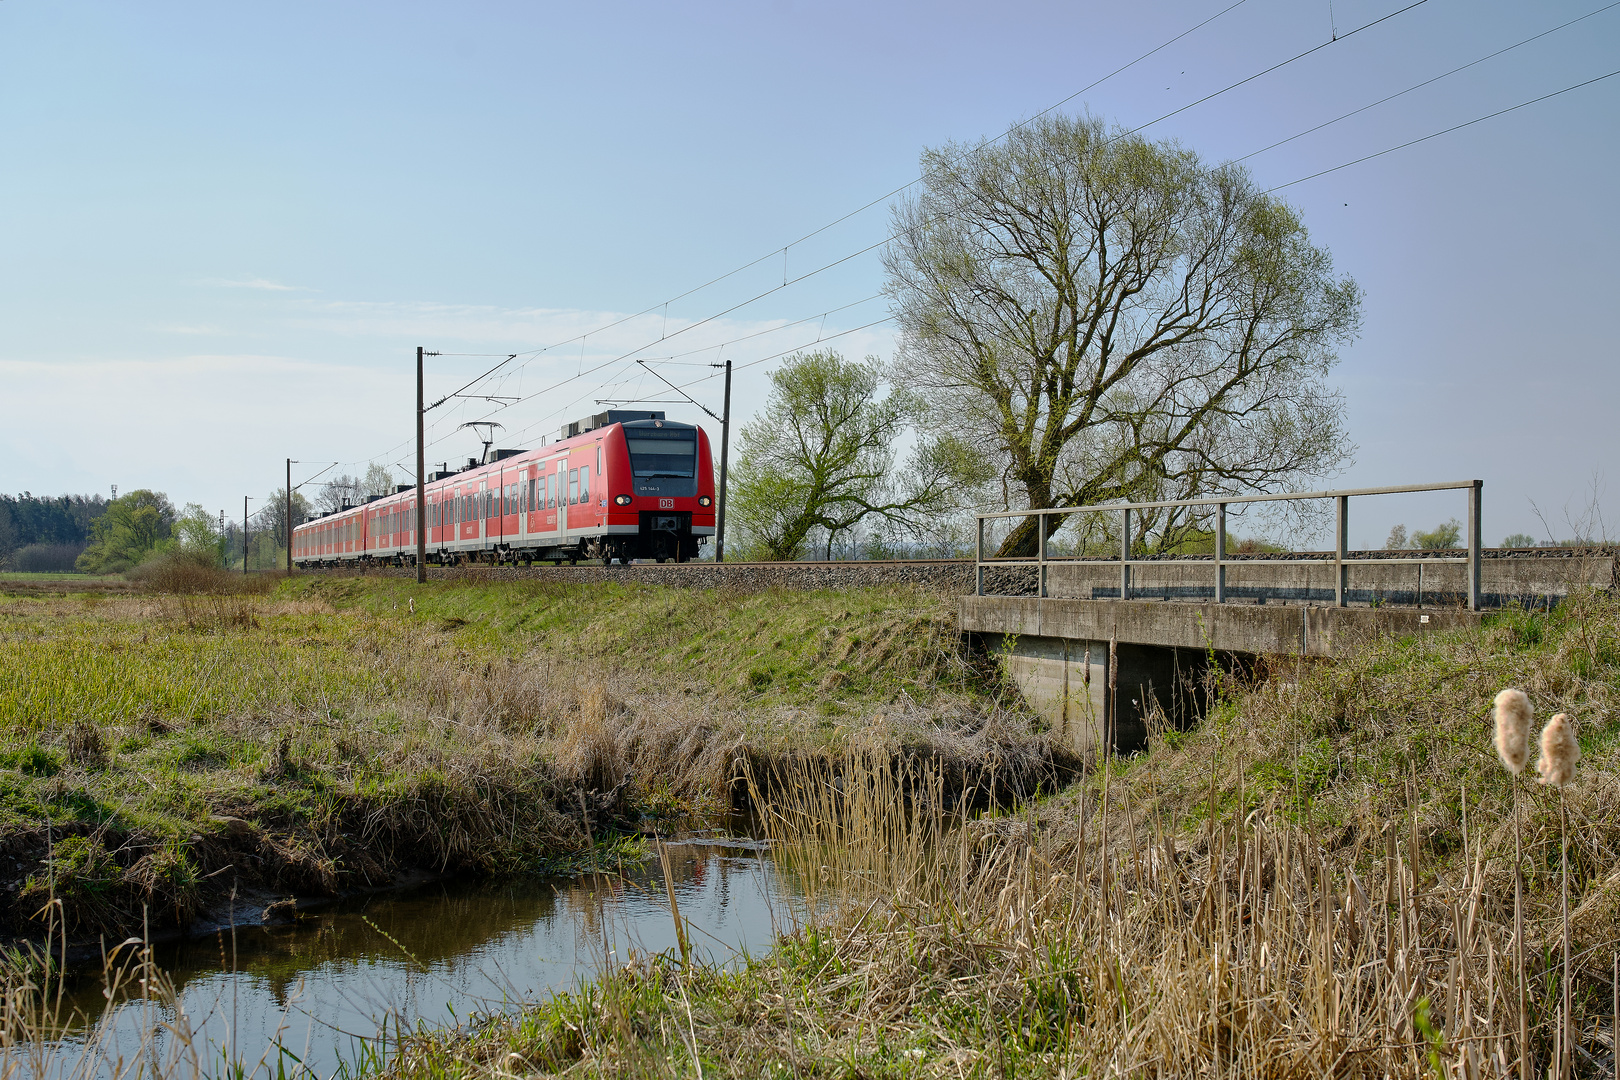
column 952, row 577
column 168, row 757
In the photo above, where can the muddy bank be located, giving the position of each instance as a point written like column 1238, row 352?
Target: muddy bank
column 93, row 884
column 164, row 752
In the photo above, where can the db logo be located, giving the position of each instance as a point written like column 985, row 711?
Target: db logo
column 666, row 504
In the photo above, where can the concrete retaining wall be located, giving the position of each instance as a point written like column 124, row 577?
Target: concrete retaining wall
column 1255, row 629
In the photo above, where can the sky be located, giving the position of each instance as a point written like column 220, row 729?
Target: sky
column 228, row 227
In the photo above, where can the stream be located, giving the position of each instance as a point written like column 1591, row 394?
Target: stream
column 432, row 956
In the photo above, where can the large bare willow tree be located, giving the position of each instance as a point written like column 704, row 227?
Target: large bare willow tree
column 1110, row 318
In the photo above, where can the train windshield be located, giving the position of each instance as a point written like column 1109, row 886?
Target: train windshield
column 662, row 453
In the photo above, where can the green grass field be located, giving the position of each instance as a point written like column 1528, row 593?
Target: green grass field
column 344, row 728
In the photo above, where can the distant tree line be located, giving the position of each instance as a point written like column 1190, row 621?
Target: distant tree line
column 96, row 535
column 46, row 533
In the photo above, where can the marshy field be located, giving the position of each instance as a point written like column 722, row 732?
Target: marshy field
column 1316, row 880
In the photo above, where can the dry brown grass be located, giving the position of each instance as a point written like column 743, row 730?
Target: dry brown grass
column 1317, row 882
column 178, row 572
column 1018, row 946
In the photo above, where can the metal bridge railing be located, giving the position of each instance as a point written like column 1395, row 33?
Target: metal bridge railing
column 1342, row 560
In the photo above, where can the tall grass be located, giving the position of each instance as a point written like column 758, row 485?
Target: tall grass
column 1317, row 882
column 1013, row 945
column 1250, row 951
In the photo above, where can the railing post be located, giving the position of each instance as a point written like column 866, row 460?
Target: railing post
column 1040, row 554
column 978, row 560
column 1220, row 553
column 1474, row 493
column 1341, row 547
column 1125, row 554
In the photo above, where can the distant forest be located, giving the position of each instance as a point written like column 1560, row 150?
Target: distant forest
column 46, row 533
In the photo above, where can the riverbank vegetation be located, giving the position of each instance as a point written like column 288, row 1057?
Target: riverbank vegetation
column 159, row 749
column 1319, row 880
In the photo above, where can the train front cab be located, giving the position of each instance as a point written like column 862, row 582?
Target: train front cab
column 659, row 490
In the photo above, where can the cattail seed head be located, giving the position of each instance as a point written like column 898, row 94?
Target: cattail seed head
column 1559, row 752
column 1513, row 716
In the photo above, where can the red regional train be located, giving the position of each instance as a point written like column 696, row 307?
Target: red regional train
column 618, row 485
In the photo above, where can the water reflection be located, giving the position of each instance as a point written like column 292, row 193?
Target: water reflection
column 443, row 951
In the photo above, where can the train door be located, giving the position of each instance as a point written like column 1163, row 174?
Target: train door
column 485, row 529
column 509, row 506
column 562, row 497
column 533, row 506
column 553, row 520
column 497, row 510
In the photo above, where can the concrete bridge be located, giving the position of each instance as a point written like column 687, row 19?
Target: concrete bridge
column 1094, row 641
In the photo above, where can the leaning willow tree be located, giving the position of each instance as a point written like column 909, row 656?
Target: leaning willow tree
column 1111, row 318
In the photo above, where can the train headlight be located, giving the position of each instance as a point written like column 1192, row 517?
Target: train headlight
column 704, row 500
column 622, row 500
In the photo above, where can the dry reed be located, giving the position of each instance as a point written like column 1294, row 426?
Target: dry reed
column 941, row 945
column 1514, row 715
column 1560, row 753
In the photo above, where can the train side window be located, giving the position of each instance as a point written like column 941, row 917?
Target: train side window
column 573, row 486
column 584, row 483
column 551, row 490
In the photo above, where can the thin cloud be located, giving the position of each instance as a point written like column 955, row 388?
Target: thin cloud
column 253, row 283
